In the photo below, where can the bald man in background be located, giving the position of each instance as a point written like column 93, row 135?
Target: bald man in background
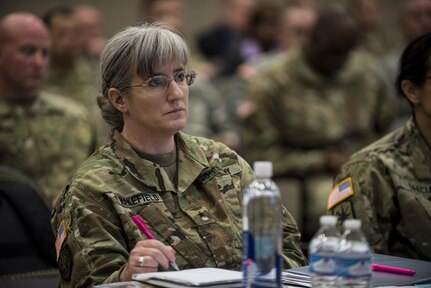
column 42, row 135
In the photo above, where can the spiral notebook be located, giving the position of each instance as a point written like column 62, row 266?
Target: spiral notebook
column 198, row 277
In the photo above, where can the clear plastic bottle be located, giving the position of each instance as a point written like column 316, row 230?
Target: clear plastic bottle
column 354, row 257
column 322, row 252
column 262, row 230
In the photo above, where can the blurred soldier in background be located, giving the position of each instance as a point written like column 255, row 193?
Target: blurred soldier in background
column 168, row 11
column 388, row 184
column 90, row 22
column 44, row 136
column 261, row 35
column 315, row 107
column 69, row 74
column 372, row 38
column 295, row 23
column 221, row 44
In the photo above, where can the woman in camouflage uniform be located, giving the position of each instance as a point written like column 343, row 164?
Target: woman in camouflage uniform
column 187, row 190
column 388, row 184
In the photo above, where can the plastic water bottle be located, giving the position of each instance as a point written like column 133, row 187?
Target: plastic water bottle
column 322, row 252
column 262, row 230
column 354, row 257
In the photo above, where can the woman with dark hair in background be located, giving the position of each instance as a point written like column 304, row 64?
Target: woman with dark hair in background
column 388, row 184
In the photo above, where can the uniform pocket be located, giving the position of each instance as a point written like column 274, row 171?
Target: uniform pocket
column 229, row 187
column 416, row 225
column 161, row 221
column 426, row 204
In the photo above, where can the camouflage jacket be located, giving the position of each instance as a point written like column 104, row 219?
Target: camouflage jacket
column 301, row 116
column 388, row 186
column 79, row 84
column 208, row 114
column 200, row 217
column 46, row 140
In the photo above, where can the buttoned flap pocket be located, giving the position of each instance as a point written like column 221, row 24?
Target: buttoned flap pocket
column 416, row 220
column 159, row 219
column 221, row 237
column 230, row 188
column 426, row 204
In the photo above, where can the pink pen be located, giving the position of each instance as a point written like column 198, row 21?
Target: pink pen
column 144, row 229
column 391, row 269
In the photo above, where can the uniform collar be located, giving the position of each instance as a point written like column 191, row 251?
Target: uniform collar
column 298, row 65
column 420, row 151
column 8, row 108
column 191, row 161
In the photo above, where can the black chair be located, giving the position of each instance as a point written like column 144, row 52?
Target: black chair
column 26, row 241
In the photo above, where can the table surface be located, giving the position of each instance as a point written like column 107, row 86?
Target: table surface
column 422, row 268
column 380, row 279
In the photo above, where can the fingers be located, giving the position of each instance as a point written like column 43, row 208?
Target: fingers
column 138, row 264
column 155, row 254
column 147, row 256
column 159, row 253
column 143, row 263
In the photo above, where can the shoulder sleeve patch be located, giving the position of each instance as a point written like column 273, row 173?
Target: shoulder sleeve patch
column 65, row 263
column 61, row 236
column 341, row 191
column 344, row 211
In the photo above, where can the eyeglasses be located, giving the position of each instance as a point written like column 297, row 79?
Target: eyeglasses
column 160, row 83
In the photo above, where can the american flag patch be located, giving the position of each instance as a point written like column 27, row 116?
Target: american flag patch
column 61, row 236
column 341, row 191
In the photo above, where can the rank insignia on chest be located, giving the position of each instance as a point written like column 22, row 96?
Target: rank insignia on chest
column 208, row 174
column 341, row 191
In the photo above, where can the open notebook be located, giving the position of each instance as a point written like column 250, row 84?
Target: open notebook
column 198, row 277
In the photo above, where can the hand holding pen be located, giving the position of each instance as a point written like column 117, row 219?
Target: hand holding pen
column 147, row 255
column 144, row 229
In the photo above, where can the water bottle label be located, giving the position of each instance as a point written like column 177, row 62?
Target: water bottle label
column 261, row 263
column 322, row 264
column 266, row 246
column 248, row 266
column 354, row 267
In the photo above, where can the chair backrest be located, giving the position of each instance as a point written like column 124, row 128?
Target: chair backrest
column 26, row 241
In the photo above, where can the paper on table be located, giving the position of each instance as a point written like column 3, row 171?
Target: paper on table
column 127, row 284
column 296, row 278
column 198, row 277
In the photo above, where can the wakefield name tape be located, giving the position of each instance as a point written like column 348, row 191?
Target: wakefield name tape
column 341, row 191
